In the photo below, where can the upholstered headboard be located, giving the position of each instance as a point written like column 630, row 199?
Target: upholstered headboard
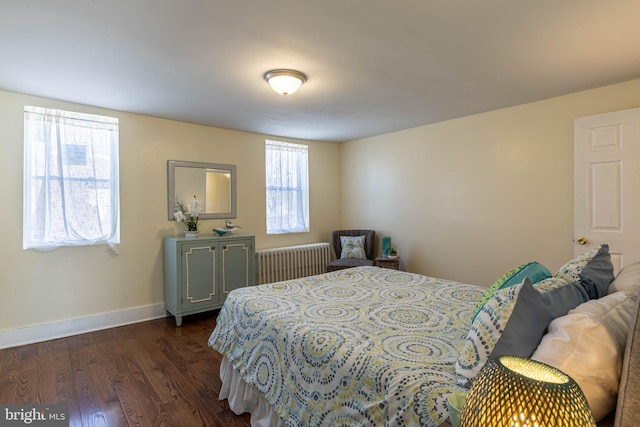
column 628, row 407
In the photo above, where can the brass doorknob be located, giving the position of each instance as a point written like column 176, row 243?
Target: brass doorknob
column 582, row 241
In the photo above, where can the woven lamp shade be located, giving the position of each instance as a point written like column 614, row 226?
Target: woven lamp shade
column 517, row 392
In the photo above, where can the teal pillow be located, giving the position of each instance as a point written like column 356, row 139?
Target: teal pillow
column 352, row 247
column 533, row 270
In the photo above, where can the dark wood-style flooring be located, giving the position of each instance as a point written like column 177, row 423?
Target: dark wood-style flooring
column 146, row 374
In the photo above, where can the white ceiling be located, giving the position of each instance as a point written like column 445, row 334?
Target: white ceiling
column 373, row 66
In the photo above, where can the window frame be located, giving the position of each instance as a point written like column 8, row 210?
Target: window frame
column 71, row 189
column 298, row 184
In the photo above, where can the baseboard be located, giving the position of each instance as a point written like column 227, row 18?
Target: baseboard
column 79, row 325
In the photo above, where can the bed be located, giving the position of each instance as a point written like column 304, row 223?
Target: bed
column 368, row 346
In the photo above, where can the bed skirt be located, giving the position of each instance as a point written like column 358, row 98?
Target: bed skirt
column 244, row 397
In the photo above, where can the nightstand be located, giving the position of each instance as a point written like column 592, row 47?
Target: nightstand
column 386, row 262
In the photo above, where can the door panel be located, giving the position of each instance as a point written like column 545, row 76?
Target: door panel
column 607, row 184
column 199, row 271
column 236, row 266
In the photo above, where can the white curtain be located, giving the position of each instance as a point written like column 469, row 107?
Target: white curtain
column 71, row 183
column 287, row 173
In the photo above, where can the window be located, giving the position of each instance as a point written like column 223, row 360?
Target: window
column 287, row 173
column 71, row 182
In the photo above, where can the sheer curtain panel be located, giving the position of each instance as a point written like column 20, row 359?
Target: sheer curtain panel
column 71, row 182
column 287, row 174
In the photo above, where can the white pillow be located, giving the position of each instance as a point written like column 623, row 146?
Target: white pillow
column 588, row 345
column 628, row 279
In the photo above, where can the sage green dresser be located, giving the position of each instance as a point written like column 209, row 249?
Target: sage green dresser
column 199, row 272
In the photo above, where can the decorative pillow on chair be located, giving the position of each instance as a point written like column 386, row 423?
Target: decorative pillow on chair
column 533, row 270
column 513, row 321
column 352, row 247
column 588, row 344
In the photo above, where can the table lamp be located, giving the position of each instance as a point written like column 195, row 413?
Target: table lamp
column 513, row 391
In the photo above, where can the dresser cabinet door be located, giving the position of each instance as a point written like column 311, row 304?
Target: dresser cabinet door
column 237, row 264
column 199, row 275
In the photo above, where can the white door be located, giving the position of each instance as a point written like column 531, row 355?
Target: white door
column 607, row 184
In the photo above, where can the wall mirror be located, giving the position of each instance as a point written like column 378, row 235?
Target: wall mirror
column 213, row 184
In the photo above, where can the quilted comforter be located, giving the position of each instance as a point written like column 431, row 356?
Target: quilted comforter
column 362, row 346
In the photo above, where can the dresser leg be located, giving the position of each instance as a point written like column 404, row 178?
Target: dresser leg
column 178, row 320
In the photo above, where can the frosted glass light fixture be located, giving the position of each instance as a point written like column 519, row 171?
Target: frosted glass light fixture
column 285, row 82
column 514, row 391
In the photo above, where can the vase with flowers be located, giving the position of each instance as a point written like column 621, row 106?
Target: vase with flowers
column 189, row 218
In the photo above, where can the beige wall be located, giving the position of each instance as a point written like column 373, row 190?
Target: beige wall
column 37, row 287
column 470, row 198
column 465, row 199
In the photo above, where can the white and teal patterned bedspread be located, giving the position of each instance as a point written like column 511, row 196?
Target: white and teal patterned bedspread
column 362, row 346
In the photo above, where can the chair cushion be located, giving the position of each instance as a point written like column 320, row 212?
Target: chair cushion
column 340, row 264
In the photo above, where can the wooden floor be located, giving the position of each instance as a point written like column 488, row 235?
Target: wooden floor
column 146, row 374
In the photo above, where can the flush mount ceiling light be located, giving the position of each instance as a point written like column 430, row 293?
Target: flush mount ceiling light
column 285, row 82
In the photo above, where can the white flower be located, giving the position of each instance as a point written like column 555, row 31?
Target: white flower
column 190, row 219
column 196, row 207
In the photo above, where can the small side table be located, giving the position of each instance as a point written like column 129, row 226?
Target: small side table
column 386, row 262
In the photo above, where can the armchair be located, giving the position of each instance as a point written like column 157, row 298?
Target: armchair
column 342, row 263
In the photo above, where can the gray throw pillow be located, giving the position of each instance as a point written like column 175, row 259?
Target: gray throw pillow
column 531, row 316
